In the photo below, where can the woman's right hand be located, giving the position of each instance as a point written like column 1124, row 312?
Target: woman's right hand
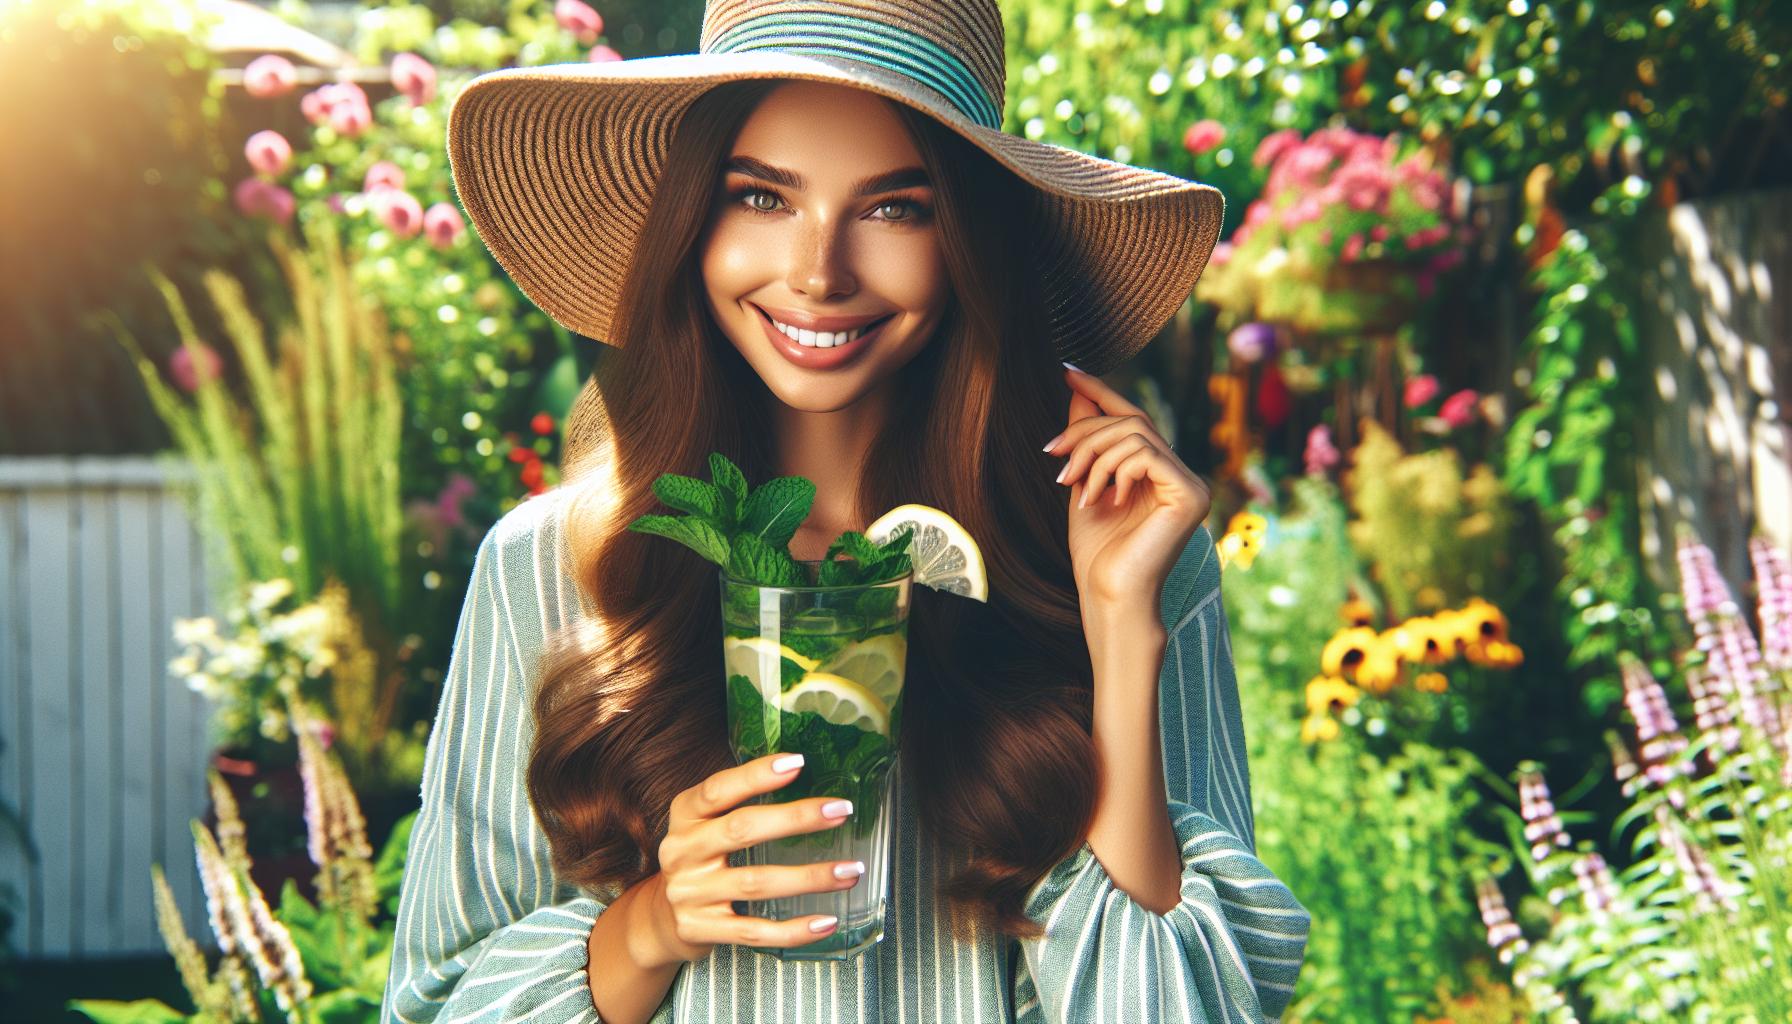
column 693, row 902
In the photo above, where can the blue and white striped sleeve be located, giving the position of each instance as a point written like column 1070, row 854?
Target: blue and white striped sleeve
column 1231, row 948
column 485, row 932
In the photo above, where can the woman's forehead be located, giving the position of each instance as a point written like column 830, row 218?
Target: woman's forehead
column 835, row 133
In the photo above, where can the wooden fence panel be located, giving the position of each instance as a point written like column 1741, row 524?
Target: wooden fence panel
column 104, row 752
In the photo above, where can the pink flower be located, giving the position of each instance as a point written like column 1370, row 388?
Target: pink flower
column 601, row 54
column 1306, row 209
column 1274, row 145
column 314, row 106
column 1221, row 253
column 442, row 225
column 1321, row 453
column 1458, row 410
column 187, row 373
column 1379, row 233
column 580, row 19
column 269, row 75
column 1353, row 247
column 415, row 77
column 341, row 105
column 1203, row 135
column 268, row 152
column 335, row 202
column 1420, row 389
column 384, row 174
column 1256, row 213
column 1365, row 186
column 350, row 120
column 398, row 210
column 257, row 198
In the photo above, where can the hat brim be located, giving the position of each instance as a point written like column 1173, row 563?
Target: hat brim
column 556, row 165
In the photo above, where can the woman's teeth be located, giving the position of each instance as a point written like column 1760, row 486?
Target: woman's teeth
column 822, row 339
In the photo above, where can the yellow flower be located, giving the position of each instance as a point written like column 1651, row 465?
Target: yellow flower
column 1496, row 653
column 1327, row 694
column 1317, row 728
column 1381, row 668
column 1455, row 630
column 1431, row 682
column 1485, row 621
column 1422, row 640
column 1357, row 612
column 1346, row 651
column 1247, row 523
column 1238, row 547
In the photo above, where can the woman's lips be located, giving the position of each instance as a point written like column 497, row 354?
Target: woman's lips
column 817, row 358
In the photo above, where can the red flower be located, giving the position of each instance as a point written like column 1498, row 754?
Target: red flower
column 542, row 423
column 1273, row 400
column 188, row 373
column 522, row 454
column 1420, row 389
column 1203, row 136
column 532, row 475
column 1458, row 410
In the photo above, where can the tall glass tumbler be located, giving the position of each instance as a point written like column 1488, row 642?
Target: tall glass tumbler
column 818, row 671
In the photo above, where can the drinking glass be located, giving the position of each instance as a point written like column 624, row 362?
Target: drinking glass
column 818, row 671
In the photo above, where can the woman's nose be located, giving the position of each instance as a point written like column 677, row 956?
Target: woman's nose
column 820, row 266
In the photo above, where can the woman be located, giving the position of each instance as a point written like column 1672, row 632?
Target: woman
column 1073, row 840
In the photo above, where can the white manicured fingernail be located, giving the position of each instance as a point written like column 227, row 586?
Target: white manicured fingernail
column 1063, row 471
column 836, row 808
column 853, row 870
column 787, row 763
column 823, row 924
column 1076, row 368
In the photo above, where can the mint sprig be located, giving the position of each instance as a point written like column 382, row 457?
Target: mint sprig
column 748, row 532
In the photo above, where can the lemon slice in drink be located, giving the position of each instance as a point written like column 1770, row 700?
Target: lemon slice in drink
column 944, row 555
column 761, row 659
column 875, row 663
column 839, row 700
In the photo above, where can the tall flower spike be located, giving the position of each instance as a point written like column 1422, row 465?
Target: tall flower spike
column 208, row 994
column 1597, row 890
column 1724, row 638
column 232, row 837
column 1700, row 876
column 1773, row 586
column 276, row 958
column 1659, row 740
column 1624, row 767
column 1502, row 932
column 221, row 894
column 1542, row 826
column 1712, row 716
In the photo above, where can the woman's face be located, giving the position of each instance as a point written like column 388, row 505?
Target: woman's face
column 824, row 229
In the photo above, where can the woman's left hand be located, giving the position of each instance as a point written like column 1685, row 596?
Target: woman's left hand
column 1133, row 504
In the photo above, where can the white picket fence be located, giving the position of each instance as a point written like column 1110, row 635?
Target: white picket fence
column 104, row 753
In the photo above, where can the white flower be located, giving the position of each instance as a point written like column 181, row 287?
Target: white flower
column 267, row 594
column 184, row 665
column 191, row 632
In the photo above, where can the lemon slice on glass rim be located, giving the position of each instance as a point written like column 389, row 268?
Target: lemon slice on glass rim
column 945, row 556
column 839, row 700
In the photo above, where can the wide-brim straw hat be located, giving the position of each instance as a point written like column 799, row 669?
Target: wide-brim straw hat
column 556, row 165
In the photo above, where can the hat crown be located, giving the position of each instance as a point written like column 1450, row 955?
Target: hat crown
column 955, row 47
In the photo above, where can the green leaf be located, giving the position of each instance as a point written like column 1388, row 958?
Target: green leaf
column 138, row 1011
column 689, row 494
column 732, row 485
column 752, row 558
column 693, row 533
column 388, row 870
column 775, row 509
column 343, row 1006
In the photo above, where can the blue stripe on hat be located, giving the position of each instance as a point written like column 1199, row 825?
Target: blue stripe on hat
column 873, row 42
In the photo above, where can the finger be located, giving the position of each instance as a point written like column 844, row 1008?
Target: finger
column 1075, row 432
column 1135, row 468
column 726, row 789
column 777, row 881
column 1102, row 394
column 749, row 826
column 1109, row 461
column 739, row 929
column 1098, row 440
column 1081, row 407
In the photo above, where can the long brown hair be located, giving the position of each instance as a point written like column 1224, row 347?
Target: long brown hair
column 996, row 735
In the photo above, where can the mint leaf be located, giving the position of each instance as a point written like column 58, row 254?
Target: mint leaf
column 732, row 485
column 688, row 494
column 838, row 574
column 694, row 533
column 753, row 559
column 775, row 509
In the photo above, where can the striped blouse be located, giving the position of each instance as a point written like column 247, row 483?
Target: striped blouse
column 487, row 933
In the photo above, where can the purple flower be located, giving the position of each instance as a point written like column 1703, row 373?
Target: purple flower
column 1597, row 890
column 1542, row 826
column 1712, row 716
column 1252, row 342
column 1773, row 584
column 1699, row 876
column 1659, row 740
column 1731, row 654
column 1502, row 932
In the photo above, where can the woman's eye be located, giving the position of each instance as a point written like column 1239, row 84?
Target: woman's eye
column 905, row 209
column 753, row 201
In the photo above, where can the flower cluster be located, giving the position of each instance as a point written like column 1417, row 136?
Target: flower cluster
column 1242, row 540
column 267, row 654
column 1336, row 197
column 1360, row 659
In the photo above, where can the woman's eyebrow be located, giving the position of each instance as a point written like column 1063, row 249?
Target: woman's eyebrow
column 889, row 181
